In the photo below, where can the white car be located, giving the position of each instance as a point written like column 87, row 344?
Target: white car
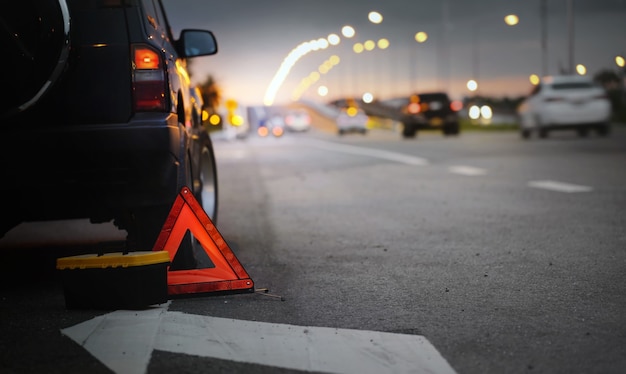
column 352, row 119
column 565, row 102
column 298, row 120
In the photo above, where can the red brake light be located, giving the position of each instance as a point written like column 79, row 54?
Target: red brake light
column 414, row 108
column 149, row 84
column 146, row 58
column 456, row 105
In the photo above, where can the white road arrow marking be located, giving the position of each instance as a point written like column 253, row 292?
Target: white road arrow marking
column 124, row 341
column 559, row 186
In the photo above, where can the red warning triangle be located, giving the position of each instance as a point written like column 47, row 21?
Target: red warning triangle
column 228, row 275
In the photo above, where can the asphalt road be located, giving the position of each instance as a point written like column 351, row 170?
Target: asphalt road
column 481, row 253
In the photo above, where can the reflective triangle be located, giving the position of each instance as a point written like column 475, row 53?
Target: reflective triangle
column 227, row 275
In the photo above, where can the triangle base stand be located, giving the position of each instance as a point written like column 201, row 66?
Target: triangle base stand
column 228, row 275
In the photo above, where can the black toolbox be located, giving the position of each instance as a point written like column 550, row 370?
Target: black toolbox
column 119, row 280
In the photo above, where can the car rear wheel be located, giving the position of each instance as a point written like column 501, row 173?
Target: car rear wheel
column 205, row 186
column 451, row 130
column 604, row 130
column 36, row 37
column 408, row 131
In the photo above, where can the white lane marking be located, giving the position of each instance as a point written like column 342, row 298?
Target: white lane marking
column 559, row 186
column 467, row 170
column 124, row 341
column 370, row 152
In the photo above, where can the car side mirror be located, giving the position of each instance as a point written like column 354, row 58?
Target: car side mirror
column 193, row 43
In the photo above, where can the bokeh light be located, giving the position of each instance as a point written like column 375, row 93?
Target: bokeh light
column 472, row 85
column 348, row 31
column 375, row 17
column 421, row 37
column 534, row 79
column 511, row 19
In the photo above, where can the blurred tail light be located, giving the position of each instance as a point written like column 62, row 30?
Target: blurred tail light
column 456, row 105
column 414, row 108
column 149, row 84
column 263, row 131
column 277, row 131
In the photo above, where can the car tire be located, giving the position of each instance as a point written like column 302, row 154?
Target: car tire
column 451, row 130
column 37, row 36
column 604, row 130
column 525, row 133
column 205, row 186
column 543, row 133
column 408, row 131
column 583, row 132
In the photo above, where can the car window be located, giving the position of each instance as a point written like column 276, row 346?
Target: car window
column 572, row 85
column 433, row 97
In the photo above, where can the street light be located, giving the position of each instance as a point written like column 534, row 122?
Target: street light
column 510, row 20
column 375, row 17
column 621, row 62
column 420, row 37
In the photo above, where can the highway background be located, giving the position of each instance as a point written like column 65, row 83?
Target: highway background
column 506, row 255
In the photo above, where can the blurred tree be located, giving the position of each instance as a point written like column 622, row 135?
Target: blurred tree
column 610, row 80
column 607, row 78
column 211, row 94
column 212, row 97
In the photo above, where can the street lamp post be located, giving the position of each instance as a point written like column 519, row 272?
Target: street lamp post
column 420, row 37
column 621, row 63
column 473, row 84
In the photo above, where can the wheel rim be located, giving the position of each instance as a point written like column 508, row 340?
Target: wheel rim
column 208, row 181
column 44, row 54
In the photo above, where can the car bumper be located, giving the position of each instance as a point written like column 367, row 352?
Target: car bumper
column 572, row 115
column 66, row 172
column 421, row 122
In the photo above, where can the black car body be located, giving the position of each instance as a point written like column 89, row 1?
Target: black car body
column 433, row 110
column 98, row 119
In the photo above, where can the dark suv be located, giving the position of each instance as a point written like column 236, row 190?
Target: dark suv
column 432, row 110
column 97, row 117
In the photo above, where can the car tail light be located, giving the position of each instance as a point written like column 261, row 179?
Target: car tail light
column 277, row 131
column 414, row 108
column 148, row 79
column 456, row 105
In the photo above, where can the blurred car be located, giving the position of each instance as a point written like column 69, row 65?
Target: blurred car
column 352, row 119
column 298, row 120
column 273, row 125
column 432, row 110
column 113, row 146
column 565, row 102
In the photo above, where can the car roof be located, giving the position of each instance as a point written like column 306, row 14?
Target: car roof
column 555, row 79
